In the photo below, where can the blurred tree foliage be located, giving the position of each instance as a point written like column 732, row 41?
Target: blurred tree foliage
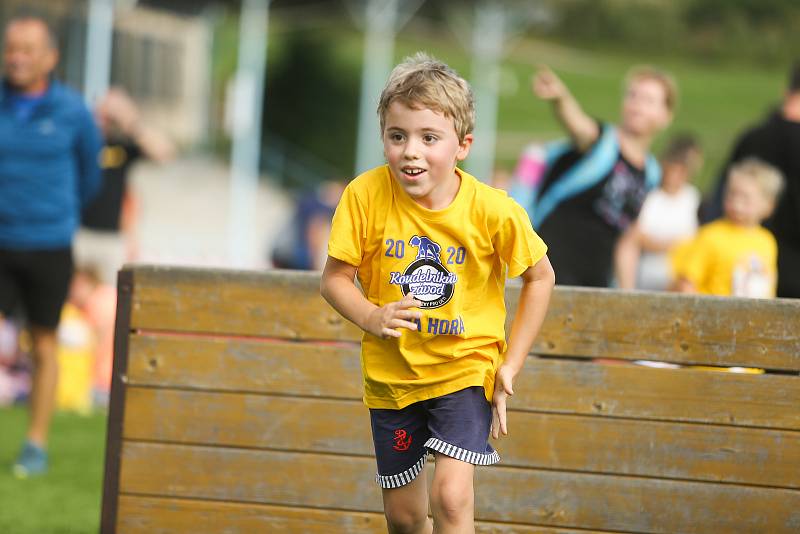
column 757, row 31
column 310, row 98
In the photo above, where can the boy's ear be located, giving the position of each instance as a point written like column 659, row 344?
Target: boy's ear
column 463, row 147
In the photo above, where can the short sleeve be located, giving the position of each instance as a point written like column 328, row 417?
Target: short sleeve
column 517, row 244
column 348, row 229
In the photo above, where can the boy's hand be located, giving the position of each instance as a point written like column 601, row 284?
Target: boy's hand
column 384, row 321
column 547, row 86
column 503, row 388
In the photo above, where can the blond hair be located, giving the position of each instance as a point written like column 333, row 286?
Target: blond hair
column 648, row 72
column 768, row 178
column 421, row 80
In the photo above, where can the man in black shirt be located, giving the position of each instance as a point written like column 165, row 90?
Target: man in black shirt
column 102, row 242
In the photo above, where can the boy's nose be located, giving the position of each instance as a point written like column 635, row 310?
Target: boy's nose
column 411, row 150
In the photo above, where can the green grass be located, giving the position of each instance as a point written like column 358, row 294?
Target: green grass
column 65, row 500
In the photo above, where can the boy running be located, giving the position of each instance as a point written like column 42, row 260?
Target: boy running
column 432, row 247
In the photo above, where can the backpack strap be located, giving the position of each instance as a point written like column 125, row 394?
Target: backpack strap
column 587, row 172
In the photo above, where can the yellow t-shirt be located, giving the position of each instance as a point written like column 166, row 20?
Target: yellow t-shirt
column 454, row 260
column 728, row 259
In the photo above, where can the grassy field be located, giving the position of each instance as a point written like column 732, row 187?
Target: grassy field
column 65, row 500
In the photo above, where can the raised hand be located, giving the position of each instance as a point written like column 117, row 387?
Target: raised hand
column 547, row 85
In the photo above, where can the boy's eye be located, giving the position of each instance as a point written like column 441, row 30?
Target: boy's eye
column 396, row 136
column 428, row 138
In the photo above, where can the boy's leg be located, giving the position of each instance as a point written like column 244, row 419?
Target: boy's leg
column 459, row 425
column 453, row 496
column 406, row 508
column 399, row 437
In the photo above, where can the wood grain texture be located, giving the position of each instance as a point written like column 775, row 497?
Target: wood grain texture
column 332, row 370
column 527, row 496
column 280, row 304
column 581, row 321
column 550, row 441
column 633, row 391
column 149, row 515
column 687, row 329
column 550, row 385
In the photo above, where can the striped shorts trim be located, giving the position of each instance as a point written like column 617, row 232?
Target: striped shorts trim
column 401, row 479
column 464, row 455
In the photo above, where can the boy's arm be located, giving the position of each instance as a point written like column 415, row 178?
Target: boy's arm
column 537, row 285
column 583, row 129
column 339, row 289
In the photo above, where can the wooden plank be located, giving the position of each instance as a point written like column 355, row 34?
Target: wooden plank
column 281, row 304
column 565, row 442
column 670, row 327
column 663, row 394
column 113, row 451
column 550, row 385
column 246, row 420
column 146, row 515
column 581, row 321
column 246, row 365
column 527, row 496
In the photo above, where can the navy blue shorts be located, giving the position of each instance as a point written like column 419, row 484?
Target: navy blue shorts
column 456, row 425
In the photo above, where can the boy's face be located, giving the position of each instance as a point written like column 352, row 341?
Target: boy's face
column 644, row 107
column 745, row 203
column 422, row 149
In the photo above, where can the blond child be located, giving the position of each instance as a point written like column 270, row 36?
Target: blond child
column 432, row 247
column 735, row 255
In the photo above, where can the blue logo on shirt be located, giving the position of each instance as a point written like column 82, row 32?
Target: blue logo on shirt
column 426, row 277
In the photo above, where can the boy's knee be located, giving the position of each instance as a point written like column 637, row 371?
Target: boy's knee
column 405, row 520
column 451, row 501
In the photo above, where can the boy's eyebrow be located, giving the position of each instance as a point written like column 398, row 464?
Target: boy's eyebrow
column 424, row 129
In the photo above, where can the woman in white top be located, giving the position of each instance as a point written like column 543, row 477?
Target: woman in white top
column 668, row 217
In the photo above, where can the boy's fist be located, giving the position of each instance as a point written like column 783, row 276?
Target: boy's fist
column 384, row 321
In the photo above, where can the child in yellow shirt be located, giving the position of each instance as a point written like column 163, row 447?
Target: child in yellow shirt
column 735, row 255
column 432, row 247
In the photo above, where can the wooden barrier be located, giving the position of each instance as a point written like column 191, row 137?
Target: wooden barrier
column 236, row 407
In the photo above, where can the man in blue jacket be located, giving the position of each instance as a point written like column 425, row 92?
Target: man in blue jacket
column 48, row 171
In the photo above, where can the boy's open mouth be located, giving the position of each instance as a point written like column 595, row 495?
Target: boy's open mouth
column 412, row 172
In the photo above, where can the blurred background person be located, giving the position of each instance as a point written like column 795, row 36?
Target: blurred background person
column 49, row 146
column 668, row 217
column 776, row 140
column 94, row 305
column 735, row 255
column 303, row 243
column 594, row 190
column 107, row 237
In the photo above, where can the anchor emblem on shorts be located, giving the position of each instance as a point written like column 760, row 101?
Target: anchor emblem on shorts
column 402, row 441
